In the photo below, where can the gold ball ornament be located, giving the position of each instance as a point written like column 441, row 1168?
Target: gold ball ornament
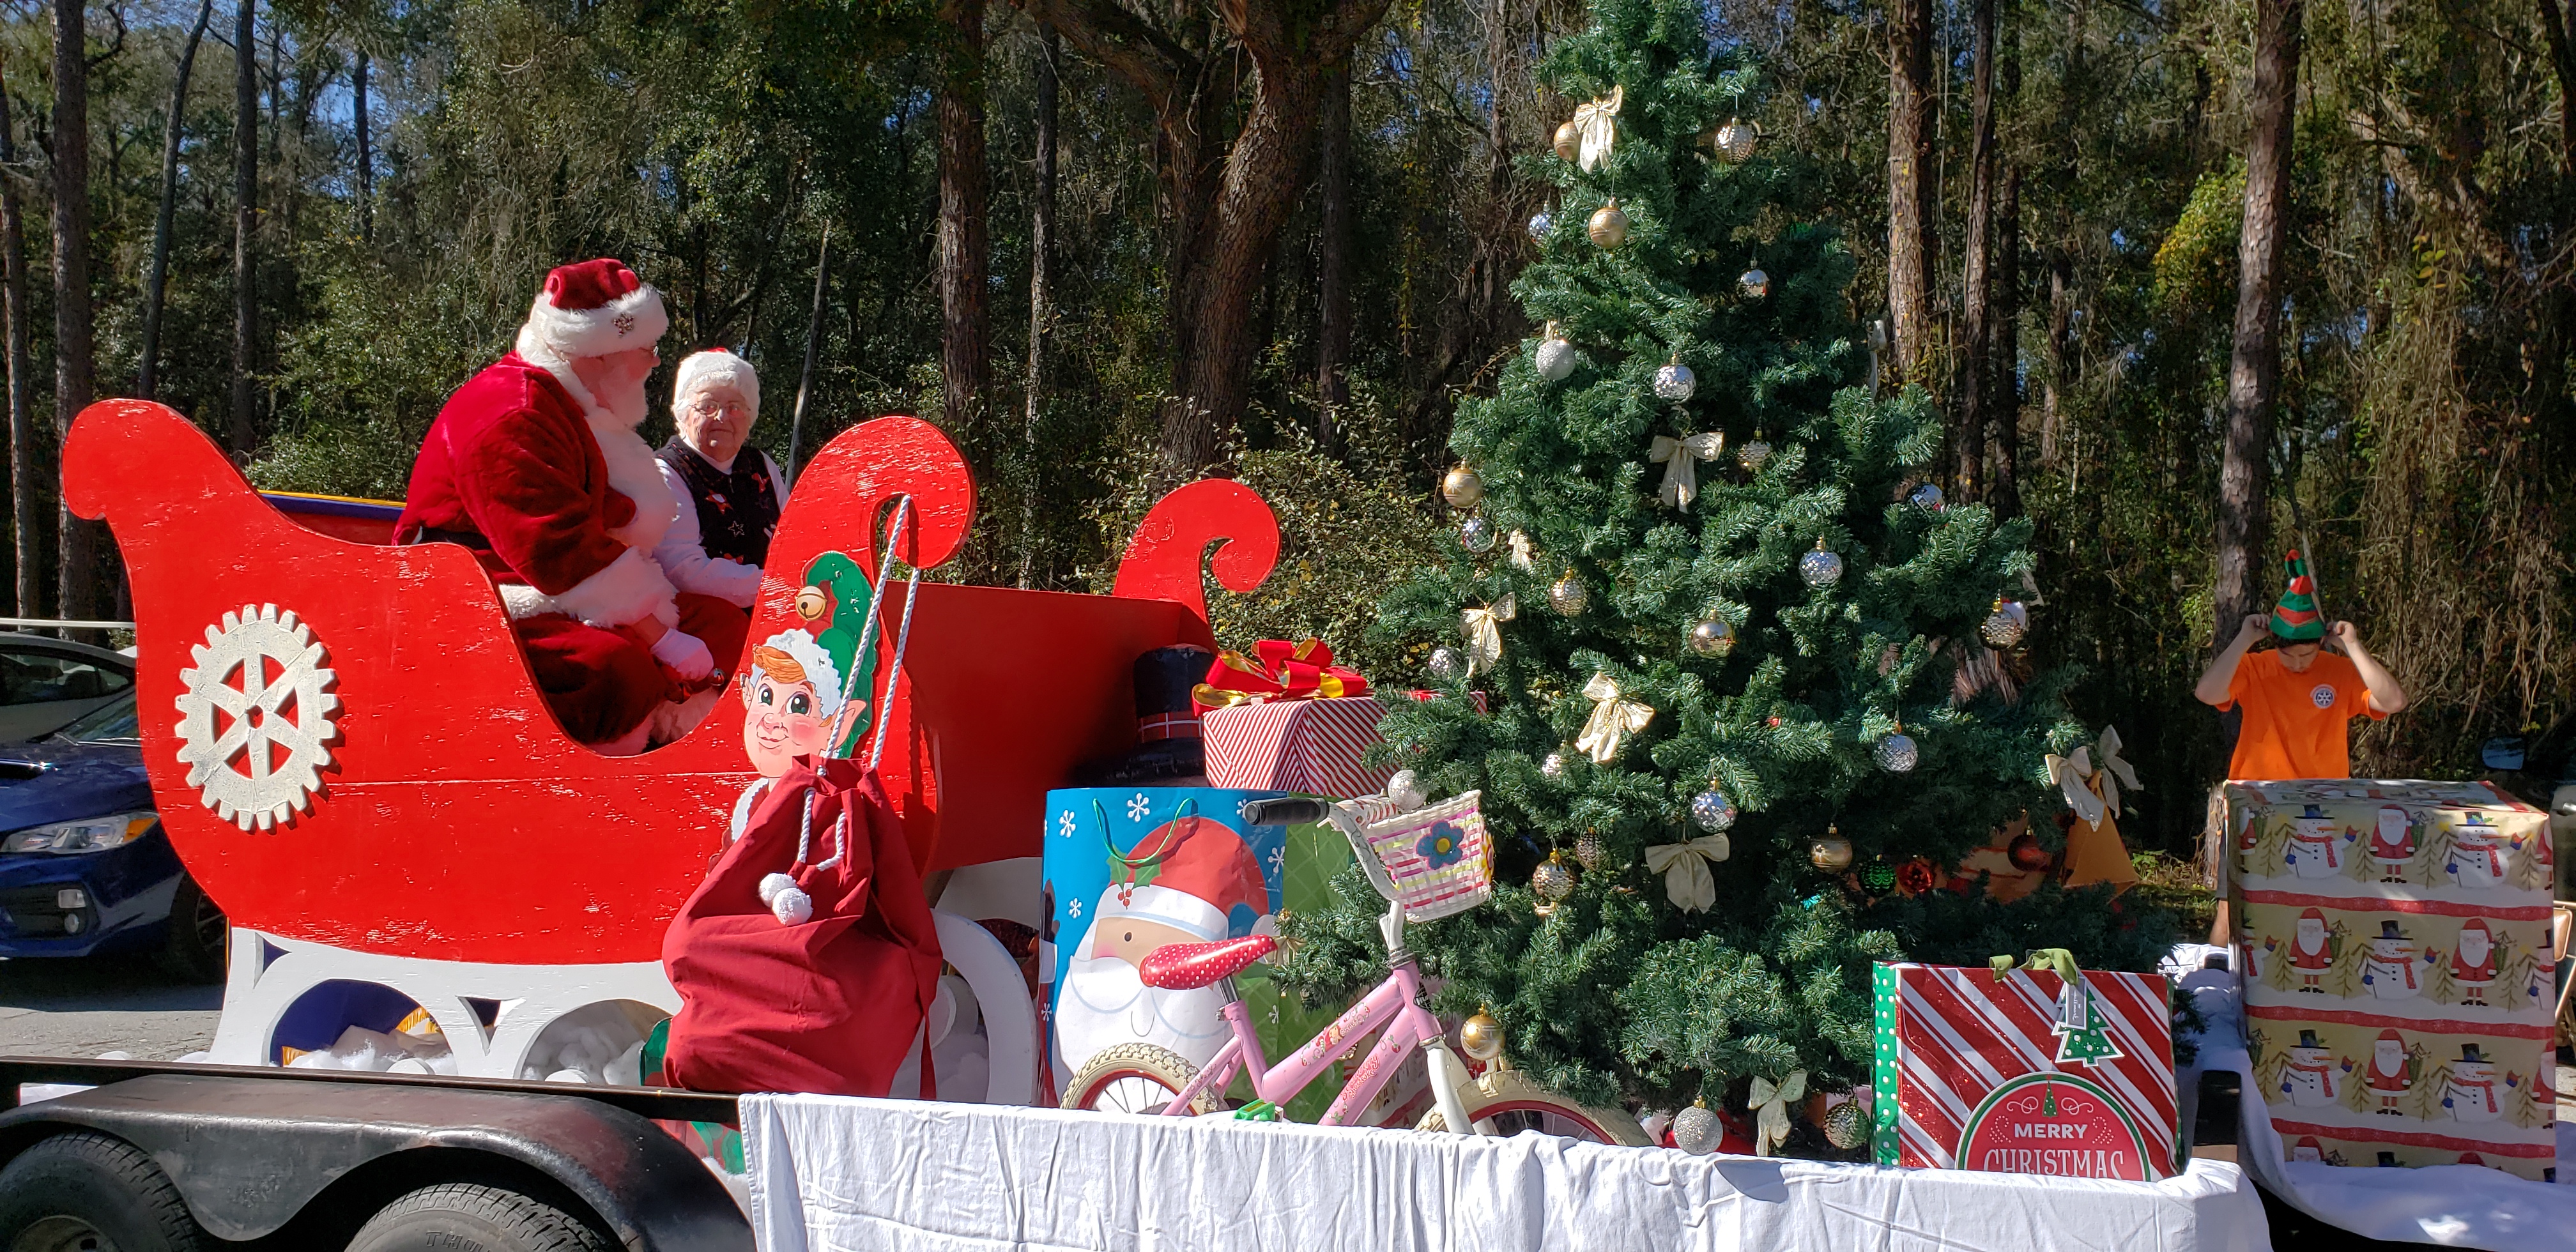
column 1608, row 227
column 2006, row 625
column 812, row 604
column 1752, row 455
column 1462, row 488
column 1711, row 637
column 1569, row 142
column 1567, row 596
column 1551, row 882
column 1481, row 1037
column 1588, row 850
column 1829, row 851
column 1734, row 142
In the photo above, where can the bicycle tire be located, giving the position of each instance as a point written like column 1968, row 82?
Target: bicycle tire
column 1105, row 1083
column 1511, row 1096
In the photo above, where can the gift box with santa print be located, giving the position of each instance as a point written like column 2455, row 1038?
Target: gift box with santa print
column 2025, row 1070
column 2396, row 942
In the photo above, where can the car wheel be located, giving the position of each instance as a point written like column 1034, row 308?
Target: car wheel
column 198, row 936
column 82, row 1191
column 469, row 1215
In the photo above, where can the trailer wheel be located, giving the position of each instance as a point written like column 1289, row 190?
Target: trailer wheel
column 470, row 1215
column 80, row 1192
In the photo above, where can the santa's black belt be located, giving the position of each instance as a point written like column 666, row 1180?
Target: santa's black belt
column 468, row 538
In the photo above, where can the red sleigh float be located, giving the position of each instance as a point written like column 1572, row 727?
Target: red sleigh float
column 348, row 753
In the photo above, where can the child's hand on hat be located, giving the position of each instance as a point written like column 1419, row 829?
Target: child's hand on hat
column 2257, row 625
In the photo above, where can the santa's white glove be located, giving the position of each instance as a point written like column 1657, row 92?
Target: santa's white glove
column 685, row 653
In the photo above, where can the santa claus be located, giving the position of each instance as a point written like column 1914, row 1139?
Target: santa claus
column 535, row 465
column 2392, row 845
column 2312, row 951
column 1193, row 880
column 2473, row 962
column 2392, row 1072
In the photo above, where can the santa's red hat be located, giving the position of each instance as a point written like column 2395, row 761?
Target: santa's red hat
column 2312, row 915
column 1202, row 871
column 2390, row 1035
column 592, row 308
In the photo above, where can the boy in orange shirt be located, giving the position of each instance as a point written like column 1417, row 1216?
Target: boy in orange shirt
column 2297, row 700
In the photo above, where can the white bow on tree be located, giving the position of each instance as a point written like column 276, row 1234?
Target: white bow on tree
column 2076, row 774
column 1687, row 882
column 1613, row 719
column 1595, row 122
column 1771, row 1108
column 1484, row 630
column 1680, row 459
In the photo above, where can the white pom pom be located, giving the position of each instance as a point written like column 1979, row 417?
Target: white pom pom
column 791, row 907
column 771, row 885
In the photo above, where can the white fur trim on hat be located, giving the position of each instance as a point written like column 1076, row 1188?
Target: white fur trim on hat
column 624, row 591
column 1172, row 907
column 715, row 366
column 819, row 668
column 633, row 320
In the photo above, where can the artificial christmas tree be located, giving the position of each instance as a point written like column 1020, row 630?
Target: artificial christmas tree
column 1780, row 640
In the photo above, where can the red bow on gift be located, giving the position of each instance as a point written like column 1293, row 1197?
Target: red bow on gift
column 1277, row 670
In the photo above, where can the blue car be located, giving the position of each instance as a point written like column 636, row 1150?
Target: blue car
column 85, row 869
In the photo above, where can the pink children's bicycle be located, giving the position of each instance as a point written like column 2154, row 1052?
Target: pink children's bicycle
column 1429, row 864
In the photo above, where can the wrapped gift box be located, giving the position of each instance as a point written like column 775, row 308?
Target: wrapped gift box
column 2399, row 970
column 1308, row 746
column 2012, row 1074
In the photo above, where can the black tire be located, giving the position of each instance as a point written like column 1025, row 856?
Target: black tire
column 198, row 939
column 80, row 1191
column 470, row 1215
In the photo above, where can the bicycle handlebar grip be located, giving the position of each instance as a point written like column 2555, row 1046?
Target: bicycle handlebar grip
column 1284, row 811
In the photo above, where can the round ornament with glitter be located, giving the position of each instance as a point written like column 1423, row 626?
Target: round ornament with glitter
column 1916, row 877
column 1555, row 358
column 1696, row 1130
column 1752, row 455
column 1588, row 850
column 1712, row 810
column 1404, row 790
column 1753, row 283
column 1846, row 1125
column 2006, row 625
column 1926, row 497
column 1878, row 877
column 1552, row 765
column 1821, row 567
column 1552, row 882
column 1896, row 753
column 1447, row 665
column 1711, row 636
column 1674, row 383
column 1476, row 535
column 1569, row 142
column 1830, row 851
column 1567, row 596
column 1608, row 227
column 1462, row 488
column 1540, row 223
column 1734, row 142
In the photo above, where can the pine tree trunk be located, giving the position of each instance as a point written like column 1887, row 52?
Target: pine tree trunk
column 29, row 466
column 1909, row 188
column 2052, row 391
column 148, row 379
column 1041, row 295
column 366, row 151
column 2005, row 359
column 1976, row 334
column 1333, row 251
column 244, row 435
column 964, row 252
column 2562, row 61
column 74, row 365
column 2254, row 371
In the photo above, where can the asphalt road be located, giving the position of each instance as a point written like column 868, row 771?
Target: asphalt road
column 85, row 1008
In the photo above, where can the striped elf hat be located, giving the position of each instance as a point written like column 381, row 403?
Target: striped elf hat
column 2295, row 619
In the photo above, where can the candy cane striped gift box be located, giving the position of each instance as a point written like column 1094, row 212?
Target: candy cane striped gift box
column 1308, row 746
column 2016, row 1075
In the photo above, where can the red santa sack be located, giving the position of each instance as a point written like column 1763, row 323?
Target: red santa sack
column 829, row 1005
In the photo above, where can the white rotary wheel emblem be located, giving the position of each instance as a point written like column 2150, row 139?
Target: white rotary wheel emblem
column 257, row 719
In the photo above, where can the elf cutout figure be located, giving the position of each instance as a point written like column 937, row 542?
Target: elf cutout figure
column 2392, row 845
column 2473, row 963
column 2389, row 968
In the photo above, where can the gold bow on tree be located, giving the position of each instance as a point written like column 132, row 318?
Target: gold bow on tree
column 1680, row 459
column 1687, row 882
column 1484, row 631
column 2076, row 775
column 1771, row 1108
column 1613, row 719
column 1594, row 122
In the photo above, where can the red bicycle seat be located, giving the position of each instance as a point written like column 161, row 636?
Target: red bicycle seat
column 1190, row 966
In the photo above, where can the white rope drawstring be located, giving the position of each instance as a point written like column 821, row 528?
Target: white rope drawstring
column 867, row 639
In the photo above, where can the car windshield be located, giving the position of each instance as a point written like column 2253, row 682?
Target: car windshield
column 113, row 722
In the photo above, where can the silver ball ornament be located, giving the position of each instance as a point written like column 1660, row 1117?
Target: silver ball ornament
column 1555, row 359
column 1540, row 223
column 1752, row 455
column 1927, row 497
column 1821, row 568
column 1753, row 283
column 1567, row 596
column 1476, row 535
column 1712, row 810
column 1553, row 766
column 1712, row 637
column 1447, row 665
column 1897, row 754
column 1696, row 1130
column 1404, row 791
column 1674, row 383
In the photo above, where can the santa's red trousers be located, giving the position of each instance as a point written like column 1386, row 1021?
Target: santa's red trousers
column 602, row 684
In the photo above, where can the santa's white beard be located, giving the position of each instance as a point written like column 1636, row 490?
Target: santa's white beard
column 2311, row 940
column 629, row 406
column 1104, row 1004
column 2474, row 948
column 2388, row 1059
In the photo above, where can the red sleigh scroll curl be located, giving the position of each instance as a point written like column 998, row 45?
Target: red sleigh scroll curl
column 1162, row 561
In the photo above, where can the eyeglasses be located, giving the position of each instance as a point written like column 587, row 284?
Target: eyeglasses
column 712, row 408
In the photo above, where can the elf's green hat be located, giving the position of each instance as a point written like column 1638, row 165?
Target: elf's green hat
column 2295, row 619
column 836, row 586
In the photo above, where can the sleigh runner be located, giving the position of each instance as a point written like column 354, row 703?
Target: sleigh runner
column 347, row 749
